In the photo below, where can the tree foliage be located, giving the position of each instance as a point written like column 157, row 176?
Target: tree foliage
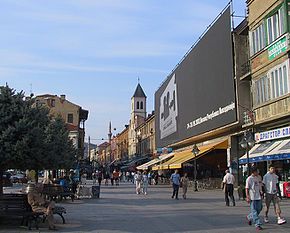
column 29, row 139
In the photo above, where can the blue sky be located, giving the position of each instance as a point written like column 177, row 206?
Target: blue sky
column 93, row 51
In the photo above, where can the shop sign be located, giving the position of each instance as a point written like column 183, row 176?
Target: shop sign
column 277, row 48
column 273, row 134
column 164, row 150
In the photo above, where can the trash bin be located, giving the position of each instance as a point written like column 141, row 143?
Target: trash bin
column 96, row 191
column 286, row 189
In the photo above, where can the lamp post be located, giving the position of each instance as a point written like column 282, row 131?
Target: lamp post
column 195, row 151
column 139, row 137
column 247, row 143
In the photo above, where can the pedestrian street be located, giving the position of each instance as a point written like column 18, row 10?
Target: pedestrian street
column 120, row 210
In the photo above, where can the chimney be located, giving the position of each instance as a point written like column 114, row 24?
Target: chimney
column 62, row 97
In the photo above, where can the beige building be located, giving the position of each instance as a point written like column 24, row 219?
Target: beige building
column 72, row 114
column 122, row 144
column 268, row 23
column 146, row 136
column 269, row 57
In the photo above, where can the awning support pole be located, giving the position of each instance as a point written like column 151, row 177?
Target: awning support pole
column 195, row 173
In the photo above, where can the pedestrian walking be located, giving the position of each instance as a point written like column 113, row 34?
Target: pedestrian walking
column 145, row 182
column 149, row 178
column 138, row 180
column 94, row 176
column 271, row 183
column 175, row 180
column 116, row 177
column 184, row 184
column 253, row 194
column 100, row 178
column 107, row 177
column 228, row 186
column 112, row 179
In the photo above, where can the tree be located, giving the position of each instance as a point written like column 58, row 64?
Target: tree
column 29, row 139
column 31, row 148
column 12, row 107
column 62, row 152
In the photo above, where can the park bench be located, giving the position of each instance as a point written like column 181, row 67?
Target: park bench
column 57, row 192
column 16, row 205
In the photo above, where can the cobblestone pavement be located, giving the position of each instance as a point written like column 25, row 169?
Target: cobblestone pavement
column 120, row 210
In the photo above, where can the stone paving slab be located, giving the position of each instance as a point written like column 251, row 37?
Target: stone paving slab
column 120, row 210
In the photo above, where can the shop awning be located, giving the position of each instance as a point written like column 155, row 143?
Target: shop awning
column 187, row 155
column 259, row 151
column 281, row 152
column 161, row 158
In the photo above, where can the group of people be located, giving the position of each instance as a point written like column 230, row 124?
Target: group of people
column 141, row 182
column 257, row 189
column 177, row 182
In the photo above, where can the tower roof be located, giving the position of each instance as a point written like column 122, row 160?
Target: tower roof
column 139, row 91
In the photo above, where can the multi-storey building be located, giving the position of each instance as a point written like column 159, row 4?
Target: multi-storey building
column 122, row 144
column 269, row 59
column 72, row 114
column 146, row 136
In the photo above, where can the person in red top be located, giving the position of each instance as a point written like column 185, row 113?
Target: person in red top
column 116, row 177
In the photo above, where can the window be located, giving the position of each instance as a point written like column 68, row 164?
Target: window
column 257, row 39
column 261, row 90
column 272, row 85
column 275, row 25
column 138, row 105
column 141, row 105
column 52, row 102
column 70, row 118
column 279, row 80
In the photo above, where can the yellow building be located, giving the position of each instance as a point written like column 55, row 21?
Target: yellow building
column 72, row 114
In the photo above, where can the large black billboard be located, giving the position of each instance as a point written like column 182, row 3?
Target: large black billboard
column 199, row 95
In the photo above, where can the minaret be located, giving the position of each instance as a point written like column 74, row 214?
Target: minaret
column 110, row 132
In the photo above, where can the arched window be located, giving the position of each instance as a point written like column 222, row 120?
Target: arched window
column 137, row 104
column 141, row 107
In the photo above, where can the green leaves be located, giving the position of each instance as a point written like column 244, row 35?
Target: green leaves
column 29, row 139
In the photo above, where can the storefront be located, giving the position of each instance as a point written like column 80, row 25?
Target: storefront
column 272, row 147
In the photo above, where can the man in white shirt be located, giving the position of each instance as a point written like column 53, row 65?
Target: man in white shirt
column 253, row 194
column 228, row 183
column 270, row 181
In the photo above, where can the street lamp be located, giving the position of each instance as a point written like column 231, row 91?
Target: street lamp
column 195, row 151
column 247, row 143
column 139, row 137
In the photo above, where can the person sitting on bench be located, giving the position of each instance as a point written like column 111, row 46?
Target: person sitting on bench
column 40, row 205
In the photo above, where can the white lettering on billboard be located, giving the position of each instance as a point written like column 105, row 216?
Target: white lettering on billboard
column 210, row 116
column 168, row 109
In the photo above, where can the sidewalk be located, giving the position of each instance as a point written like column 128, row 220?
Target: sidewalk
column 120, row 210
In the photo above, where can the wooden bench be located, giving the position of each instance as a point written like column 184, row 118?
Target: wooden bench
column 56, row 192
column 13, row 205
column 16, row 205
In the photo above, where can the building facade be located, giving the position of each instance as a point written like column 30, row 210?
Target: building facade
column 73, row 115
column 270, row 83
column 145, row 132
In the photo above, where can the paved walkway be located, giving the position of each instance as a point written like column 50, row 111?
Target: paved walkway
column 120, row 210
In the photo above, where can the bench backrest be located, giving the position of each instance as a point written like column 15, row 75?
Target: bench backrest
column 14, row 202
column 52, row 189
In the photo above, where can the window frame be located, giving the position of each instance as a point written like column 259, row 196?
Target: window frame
column 68, row 118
